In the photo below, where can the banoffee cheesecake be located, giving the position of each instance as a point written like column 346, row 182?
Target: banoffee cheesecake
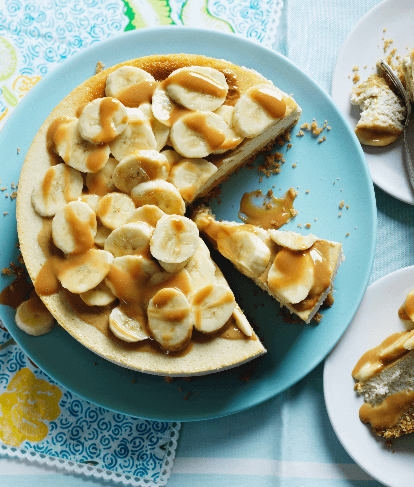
column 101, row 204
column 297, row 270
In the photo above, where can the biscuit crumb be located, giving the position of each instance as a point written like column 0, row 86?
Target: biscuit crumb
column 6, row 271
column 301, row 133
column 18, row 150
column 347, row 207
column 340, row 214
column 307, row 191
column 347, row 235
column 5, row 213
column 387, row 43
column 168, row 379
column 99, row 67
column 299, row 225
column 308, row 225
column 341, row 204
column 294, row 164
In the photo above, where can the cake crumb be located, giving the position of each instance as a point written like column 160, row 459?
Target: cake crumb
column 347, row 235
column 347, row 207
column 6, row 271
column 307, row 191
column 301, row 133
column 308, row 225
column 341, row 204
column 387, row 43
column 99, row 67
column 18, row 150
column 388, row 443
column 340, row 214
column 299, row 225
column 168, row 379
column 294, row 165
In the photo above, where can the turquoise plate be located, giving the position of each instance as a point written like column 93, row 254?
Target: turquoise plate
column 331, row 171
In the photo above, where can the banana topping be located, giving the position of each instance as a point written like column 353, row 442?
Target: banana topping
column 129, row 329
column 292, row 240
column 114, row 209
column 100, row 295
column 101, row 182
column 129, row 239
column 159, row 193
column 102, row 120
column 131, row 85
column 174, row 241
column 148, row 214
column 33, row 317
column 161, row 131
column 233, row 138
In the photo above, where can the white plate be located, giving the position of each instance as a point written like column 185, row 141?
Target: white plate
column 376, row 319
column 364, row 46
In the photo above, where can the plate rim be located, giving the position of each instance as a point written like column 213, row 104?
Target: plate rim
column 237, row 39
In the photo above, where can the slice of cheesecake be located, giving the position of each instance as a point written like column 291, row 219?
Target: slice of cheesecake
column 298, row 271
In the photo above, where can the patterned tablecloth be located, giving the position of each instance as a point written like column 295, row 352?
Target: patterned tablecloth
column 287, row 441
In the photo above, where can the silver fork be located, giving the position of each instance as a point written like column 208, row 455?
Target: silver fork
column 397, row 83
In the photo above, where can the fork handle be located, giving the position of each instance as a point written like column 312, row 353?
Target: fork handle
column 408, row 161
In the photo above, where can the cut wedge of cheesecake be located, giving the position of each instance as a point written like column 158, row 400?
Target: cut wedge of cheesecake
column 101, row 203
column 298, row 271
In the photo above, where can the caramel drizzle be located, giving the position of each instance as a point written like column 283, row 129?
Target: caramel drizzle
column 197, row 122
column 107, row 109
column 266, row 211
column 271, row 101
column 80, row 230
column 50, row 139
column 198, row 82
column 138, row 93
column 376, row 137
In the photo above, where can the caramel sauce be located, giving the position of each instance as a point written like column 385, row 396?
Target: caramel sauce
column 266, row 211
column 97, row 184
column 44, row 238
column 270, row 100
column 376, row 137
column 80, row 230
column 50, row 139
column 292, row 264
column 107, row 109
column 176, row 113
column 196, row 121
column 136, row 94
column 97, row 159
column 150, row 168
column 402, row 313
column 373, row 361
column 194, row 81
column 388, row 413
column 409, row 304
column 79, row 110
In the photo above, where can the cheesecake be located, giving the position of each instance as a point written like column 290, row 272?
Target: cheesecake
column 298, row 271
column 101, row 207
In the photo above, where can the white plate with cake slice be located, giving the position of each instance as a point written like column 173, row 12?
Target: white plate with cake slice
column 376, row 319
column 386, row 27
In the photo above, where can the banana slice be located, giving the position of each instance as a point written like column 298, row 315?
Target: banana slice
column 257, row 109
column 114, row 209
column 78, row 152
column 233, row 138
column 127, row 328
column 102, row 233
column 247, row 250
column 92, row 200
column 100, row 295
column 101, row 182
column 292, row 240
column 138, row 167
column 190, row 175
column 138, row 135
column 200, row 268
column 197, row 87
column 148, row 213
column 241, row 321
column 164, row 109
column 82, row 272
column 128, row 277
column 33, row 317
column 172, row 156
column 129, row 239
column 159, row 193
column 170, row 319
column 102, row 120
column 174, row 241
column 212, row 307
column 180, row 280
column 161, row 131
column 121, row 80
column 74, row 228
column 198, row 134
column 60, row 185
column 291, row 276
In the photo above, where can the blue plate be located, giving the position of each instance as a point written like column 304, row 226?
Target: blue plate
column 331, row 171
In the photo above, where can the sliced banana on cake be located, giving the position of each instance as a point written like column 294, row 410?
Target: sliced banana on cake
column 172, row 156
column 100, row 295
column 247, row 250
column 233, row 138
column 291, row 276
column 161, row 131
column 164, row 109
column 190, row 175
column 170, row 319
column 148, row 213
column 174, row 241
column 138, row 167
column 292, row 240
column 74, row 228
column 138, row 135
column 60, row 185
column 129, row 239
column 33, row 317
column 212, row 307
column 114, row 209
column 82, row 272
column 129, row 329
column 241, row 321
column 197, row 87
column 102, row 120
column 159, row 193
column 200, row 268
column 101, row 182
column 257, row 109
column 78, row 152
column 198, row 134
column 102, row 233
column 178, row 280
column 92, row 200
column 121, row 80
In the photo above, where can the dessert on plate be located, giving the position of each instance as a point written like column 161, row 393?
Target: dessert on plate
column 384, row 377
column 297, row 270
column 101, row 204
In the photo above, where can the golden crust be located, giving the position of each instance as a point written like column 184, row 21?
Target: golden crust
column 203, row 357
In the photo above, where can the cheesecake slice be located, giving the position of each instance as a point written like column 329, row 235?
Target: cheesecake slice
column 103, row 193
column 298, row 271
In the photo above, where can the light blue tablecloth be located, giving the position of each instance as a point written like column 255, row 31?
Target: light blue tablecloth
column 287, row 441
